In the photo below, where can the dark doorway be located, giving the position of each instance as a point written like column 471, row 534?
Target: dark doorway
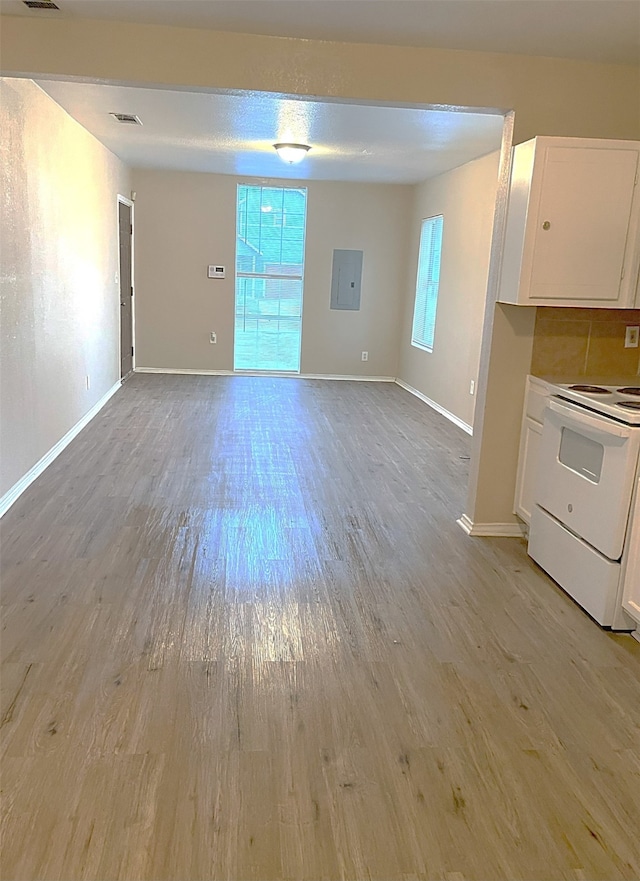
column 125, row 228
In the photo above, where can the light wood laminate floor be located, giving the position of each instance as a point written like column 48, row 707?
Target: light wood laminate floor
column 244, row 638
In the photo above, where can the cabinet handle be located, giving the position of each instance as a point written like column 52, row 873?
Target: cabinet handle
column 546, row 225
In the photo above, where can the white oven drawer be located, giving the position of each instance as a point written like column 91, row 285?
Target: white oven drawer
column 591, row 579
column 586, row 472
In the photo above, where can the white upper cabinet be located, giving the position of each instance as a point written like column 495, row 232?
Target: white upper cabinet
column 572, row 236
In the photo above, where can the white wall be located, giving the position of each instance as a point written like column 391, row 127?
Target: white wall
column 60, row 303
column 185, row 221
column 466, row 198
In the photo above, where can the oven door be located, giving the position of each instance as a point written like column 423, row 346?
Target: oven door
column 586, row 473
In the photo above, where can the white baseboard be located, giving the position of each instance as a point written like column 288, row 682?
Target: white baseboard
column 347, row 377
column 18, row 488
column 186, row 371
column 508, row 530
column 192, row 372
column 446, row 413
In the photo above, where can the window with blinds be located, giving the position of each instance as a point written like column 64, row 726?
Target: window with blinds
column 270, row 238
column 428, row 280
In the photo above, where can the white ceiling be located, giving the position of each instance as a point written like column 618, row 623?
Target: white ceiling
column 594, row 30
column 234, row 134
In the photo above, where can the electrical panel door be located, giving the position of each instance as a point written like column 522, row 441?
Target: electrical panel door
column 346, row 280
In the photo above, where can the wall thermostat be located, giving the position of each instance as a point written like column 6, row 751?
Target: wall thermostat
column 215, row 272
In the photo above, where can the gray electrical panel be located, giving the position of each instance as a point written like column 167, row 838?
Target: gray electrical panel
column 346, row 280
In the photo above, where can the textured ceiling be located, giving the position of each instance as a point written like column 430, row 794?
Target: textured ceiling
column 594, row 30
column 234, row 134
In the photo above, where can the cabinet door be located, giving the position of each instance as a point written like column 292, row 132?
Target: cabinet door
column 527, row 467
column 581, row 224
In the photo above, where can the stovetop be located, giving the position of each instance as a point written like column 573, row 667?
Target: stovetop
column 620, row 401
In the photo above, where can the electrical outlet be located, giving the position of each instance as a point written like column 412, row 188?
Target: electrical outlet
column 365, row 356
column 472, row 387
column 213, row 337
column 631, row 337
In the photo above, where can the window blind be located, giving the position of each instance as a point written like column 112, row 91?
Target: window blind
column 427, row 283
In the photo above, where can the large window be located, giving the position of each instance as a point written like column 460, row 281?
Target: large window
column 424, row 311
column 269, row 273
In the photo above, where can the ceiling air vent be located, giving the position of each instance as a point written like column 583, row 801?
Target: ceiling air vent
column 40, row 4
column 127, row 118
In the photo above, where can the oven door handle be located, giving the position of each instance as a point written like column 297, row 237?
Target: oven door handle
column 602, row 424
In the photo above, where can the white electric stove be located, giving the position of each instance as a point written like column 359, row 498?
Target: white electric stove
column 588, row 467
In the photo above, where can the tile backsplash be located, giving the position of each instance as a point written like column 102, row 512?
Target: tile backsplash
column 584, row 342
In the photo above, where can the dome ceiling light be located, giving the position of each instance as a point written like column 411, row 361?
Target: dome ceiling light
column 291, row 153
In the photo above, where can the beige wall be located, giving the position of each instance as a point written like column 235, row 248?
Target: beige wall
column 60, row 304
column 369, row 218
column 549, row 97
column 184, row 221
column 466, row 198
column 495, row 453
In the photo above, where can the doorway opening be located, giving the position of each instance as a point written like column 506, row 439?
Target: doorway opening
column 270, row 243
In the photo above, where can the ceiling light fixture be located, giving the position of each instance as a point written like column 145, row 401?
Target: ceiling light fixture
column 291, row 153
